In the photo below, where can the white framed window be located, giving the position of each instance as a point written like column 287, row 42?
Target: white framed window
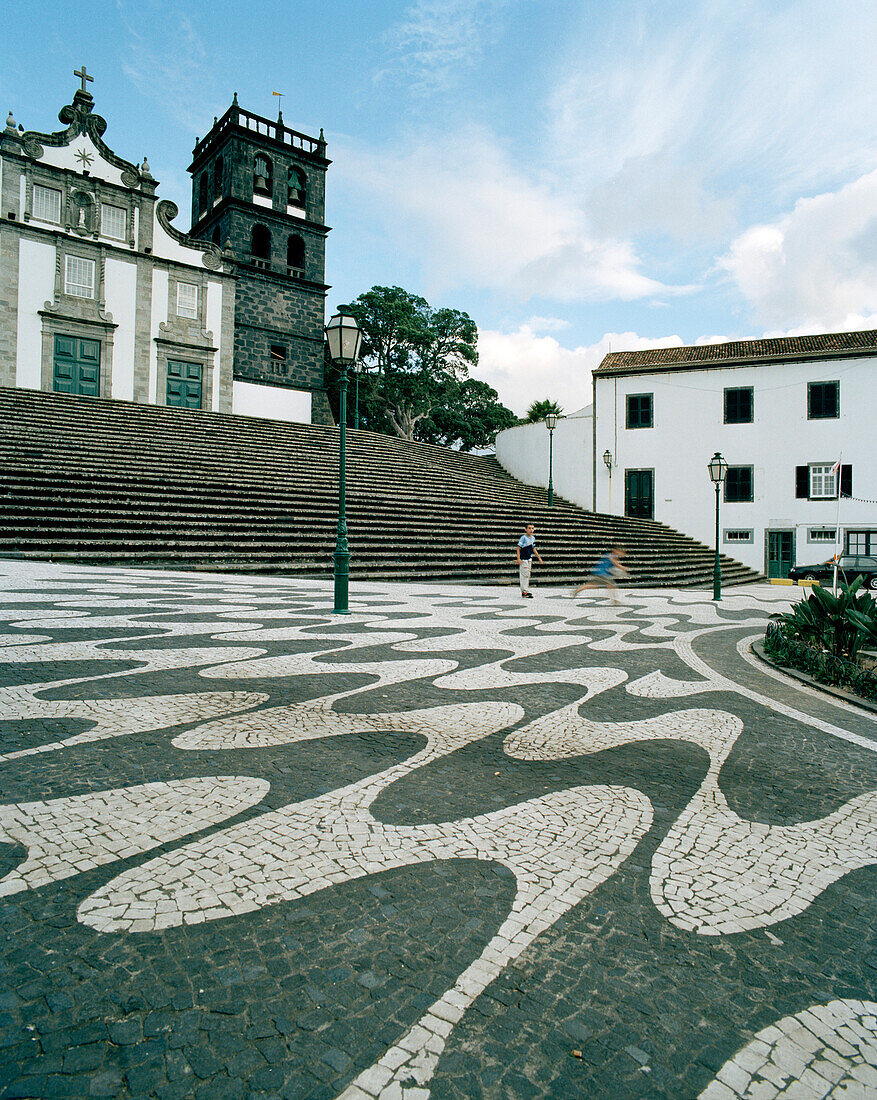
column 113, row 221
column 821, row 534
column 46, row 204
column 79, row 277
column 187, row 300
column 823, row 482
column 738, row 535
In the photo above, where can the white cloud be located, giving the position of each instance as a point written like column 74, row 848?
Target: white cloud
column 816, row 268
column 480, row 220
column 524, row 367
column 437, row 40
column 663, row 135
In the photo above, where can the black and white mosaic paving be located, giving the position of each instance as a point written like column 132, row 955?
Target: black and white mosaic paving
column 446, row 846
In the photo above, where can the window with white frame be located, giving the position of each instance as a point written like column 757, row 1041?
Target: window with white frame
column 79, row 277
column 821, row 534
column 113, row 221
column 46, row 204
column 861, row 542
column 823, row 482
column 187, row 300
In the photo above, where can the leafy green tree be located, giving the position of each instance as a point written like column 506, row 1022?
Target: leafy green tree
column 471, row 421
column 415, row 364
column 540, row 409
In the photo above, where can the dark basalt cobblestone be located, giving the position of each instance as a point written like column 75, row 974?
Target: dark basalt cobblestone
column 296, row 999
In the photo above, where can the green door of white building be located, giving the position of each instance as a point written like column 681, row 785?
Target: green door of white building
column 77, row 366
column 184, row 387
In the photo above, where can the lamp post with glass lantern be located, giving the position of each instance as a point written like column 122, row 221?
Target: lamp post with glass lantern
column 607, row 462
column 357, row 367
column 551, row 424
column 344, row 338
column 717, row 468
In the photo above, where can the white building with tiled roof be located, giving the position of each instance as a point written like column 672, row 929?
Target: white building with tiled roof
column 782, row 412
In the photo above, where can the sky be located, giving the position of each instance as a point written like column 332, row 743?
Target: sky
column 579, row 176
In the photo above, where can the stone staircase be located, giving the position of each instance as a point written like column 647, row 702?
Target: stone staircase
column 95, row 481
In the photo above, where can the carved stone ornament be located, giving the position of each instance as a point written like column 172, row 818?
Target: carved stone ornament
column 212, row 258
column 166, row 211
column 33, row 148
column 130, row 179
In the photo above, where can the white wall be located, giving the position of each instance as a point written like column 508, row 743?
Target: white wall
column 121, row 295
column 271, row 402
column 213, row 324
column 64, row 156
column 688, row 414
column 523, row 451
column 36, row 286
column 159, row 313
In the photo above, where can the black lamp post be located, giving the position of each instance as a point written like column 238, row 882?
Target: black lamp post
column 717, row 468
column 551, row 424
column 356, row 372
column 344, row 338
column 607, row 462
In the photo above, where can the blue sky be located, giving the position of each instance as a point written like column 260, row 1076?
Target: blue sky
column 574, row 174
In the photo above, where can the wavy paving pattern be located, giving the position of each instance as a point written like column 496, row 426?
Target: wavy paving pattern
column 580, row 750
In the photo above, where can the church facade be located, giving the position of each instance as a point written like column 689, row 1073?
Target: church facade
column 101, row 295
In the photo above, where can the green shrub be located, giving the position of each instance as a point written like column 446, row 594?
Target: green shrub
column 823, row 634
column 838, row 624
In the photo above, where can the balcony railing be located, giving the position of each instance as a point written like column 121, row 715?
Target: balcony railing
column 236, row 116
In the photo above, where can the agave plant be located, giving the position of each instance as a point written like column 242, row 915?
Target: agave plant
column 839, row 624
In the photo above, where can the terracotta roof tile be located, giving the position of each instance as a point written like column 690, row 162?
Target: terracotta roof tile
column 774, row 349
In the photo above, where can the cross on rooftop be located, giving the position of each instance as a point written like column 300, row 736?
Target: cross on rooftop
column 83, row 76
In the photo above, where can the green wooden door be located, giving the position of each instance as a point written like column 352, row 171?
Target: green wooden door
column 184, row 384
column 780, row 551
column 639, row 501
column 77, row 366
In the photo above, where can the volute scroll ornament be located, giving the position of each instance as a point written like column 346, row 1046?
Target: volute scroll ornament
column 166, row 211
column 33, row 148
column 212, row 258
column 130, row 179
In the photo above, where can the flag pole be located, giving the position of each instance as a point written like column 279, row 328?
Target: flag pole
column 837, row 469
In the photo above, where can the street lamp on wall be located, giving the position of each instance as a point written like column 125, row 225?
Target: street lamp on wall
column 344, row 338
column 717, row 468
column 607, row 462
column 551, row 424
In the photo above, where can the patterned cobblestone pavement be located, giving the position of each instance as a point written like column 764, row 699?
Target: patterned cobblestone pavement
column 448, row 846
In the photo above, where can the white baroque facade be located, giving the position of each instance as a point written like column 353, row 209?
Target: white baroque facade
column 99, row 294
column 794, row 417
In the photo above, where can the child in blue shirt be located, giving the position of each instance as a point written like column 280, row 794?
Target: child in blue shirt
column 526, row 551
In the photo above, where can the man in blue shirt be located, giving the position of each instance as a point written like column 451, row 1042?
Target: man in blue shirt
column 526, row 550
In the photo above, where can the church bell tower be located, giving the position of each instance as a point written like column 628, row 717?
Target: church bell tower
column 258, row 192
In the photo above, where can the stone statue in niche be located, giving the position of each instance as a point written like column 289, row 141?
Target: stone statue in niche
column 83, row 213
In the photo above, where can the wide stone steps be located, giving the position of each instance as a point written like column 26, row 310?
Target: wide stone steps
column 87, row 480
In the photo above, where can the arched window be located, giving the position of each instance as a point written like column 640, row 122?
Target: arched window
column 261, row 243
column 217, row 178
column 297, row 187
column 262, row 175
column 216, row 237
column 295, row 253
column 203, row 192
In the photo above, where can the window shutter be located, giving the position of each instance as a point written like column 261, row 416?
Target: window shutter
column 802, row 481
column 846, row 481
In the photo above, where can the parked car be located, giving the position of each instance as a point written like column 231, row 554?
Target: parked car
column 849, row 567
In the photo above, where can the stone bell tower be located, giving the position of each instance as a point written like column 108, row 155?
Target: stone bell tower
column 258, row 192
